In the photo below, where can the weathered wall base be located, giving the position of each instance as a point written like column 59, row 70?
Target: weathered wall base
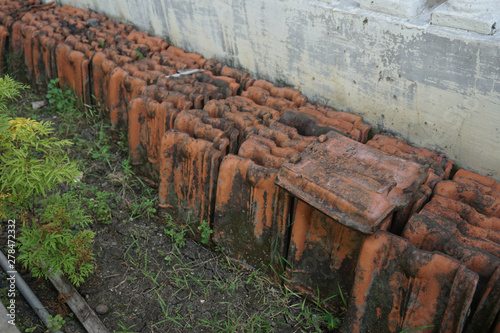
column 433, row 86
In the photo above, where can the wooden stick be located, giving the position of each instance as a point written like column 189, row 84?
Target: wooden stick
column 78, row 305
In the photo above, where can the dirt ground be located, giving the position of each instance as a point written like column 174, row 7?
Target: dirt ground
column 149, row 276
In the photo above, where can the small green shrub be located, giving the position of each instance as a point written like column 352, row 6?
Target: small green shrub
column 58, row 242
column 64, row 208
column 9, row 89
column 32, row 162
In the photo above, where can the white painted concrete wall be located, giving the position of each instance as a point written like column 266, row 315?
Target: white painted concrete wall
column 434, row 86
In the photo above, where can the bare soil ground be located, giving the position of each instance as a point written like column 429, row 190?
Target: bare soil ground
column 149, row 276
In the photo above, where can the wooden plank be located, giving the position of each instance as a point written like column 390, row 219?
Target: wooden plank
column 78, row 305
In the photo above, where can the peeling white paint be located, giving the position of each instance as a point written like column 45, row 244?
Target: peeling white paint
column 435, row 86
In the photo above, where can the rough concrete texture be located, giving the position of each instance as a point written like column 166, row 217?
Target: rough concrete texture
column 479, row 16
column 406, row 9
column 436, row 87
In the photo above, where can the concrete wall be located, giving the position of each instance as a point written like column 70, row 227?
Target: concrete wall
column 434, row 86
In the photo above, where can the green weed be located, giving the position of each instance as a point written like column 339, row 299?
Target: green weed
column 143, row 208
column 99, row 206
column 55, row 323
column 176, row 319
column 92, row 113
column 176, row 232
column 205, row 232
column 62, row 101
column 127, row 169
column 101, row 150
column 65, row 104
column 124, row 328
column 69, row 107
column 139, row 54
column 122, row 142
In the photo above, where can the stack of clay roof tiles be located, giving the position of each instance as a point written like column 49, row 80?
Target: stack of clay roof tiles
column 9, row 12
column 4, row 34
column 283, row 182
column 463, row 221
